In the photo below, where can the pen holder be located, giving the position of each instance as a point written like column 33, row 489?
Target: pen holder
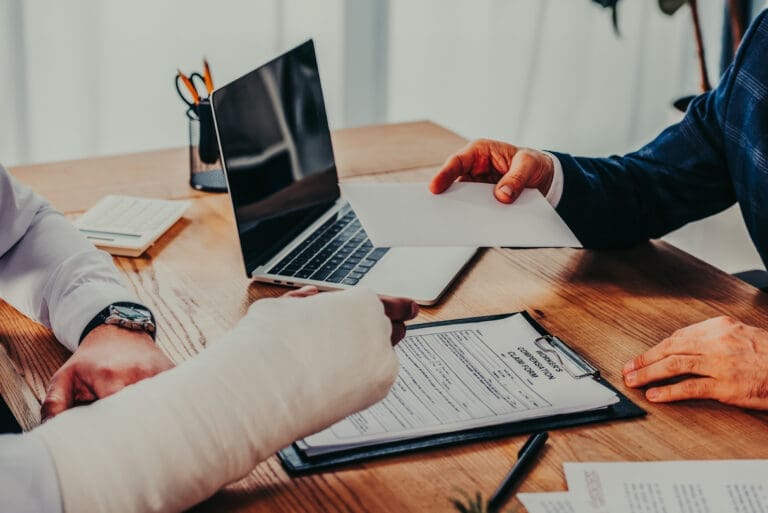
column 205, row 170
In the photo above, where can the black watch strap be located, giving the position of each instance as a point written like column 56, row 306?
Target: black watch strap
column 102, row 316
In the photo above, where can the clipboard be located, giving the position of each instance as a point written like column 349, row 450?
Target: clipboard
column 296, row 463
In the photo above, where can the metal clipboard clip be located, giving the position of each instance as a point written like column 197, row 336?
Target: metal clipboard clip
column 572, row 362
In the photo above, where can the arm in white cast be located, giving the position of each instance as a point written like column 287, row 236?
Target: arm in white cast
column 28, row 482
column 291, row 367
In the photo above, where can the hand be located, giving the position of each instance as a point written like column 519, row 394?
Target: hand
column 398, row 309
column 719, row 358
column 512, row 169
column 109, row 358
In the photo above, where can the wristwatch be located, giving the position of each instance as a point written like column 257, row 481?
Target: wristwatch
column 130, row 316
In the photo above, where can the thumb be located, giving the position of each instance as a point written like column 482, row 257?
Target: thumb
column 525, row 165
column 60, row 395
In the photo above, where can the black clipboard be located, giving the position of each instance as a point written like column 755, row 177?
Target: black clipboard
column 295, row 462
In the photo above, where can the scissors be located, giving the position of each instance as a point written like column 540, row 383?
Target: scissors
column 189, row 88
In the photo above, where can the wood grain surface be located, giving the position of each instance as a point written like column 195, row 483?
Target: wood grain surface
column 608, row 305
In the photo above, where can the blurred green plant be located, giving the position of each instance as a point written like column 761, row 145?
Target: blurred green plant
column 611, row 4
column 468, row 504
column 670, row 7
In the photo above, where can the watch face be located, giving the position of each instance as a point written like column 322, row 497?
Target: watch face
column 132, row 314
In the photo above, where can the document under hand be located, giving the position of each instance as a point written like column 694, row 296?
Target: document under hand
column 463, row 376
column 467, row 214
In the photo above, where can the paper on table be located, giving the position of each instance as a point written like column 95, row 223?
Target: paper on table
column 733, row 486
column 554, row 502
column 467, row 214
column 465, row 376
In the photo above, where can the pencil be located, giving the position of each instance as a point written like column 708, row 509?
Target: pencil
column 207, row 76
column 190, row 87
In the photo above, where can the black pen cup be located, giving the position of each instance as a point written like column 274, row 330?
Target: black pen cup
column 205, row 170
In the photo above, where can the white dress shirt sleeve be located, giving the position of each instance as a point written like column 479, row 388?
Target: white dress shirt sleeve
column 556, row 189
column 48, row 270
column 28, row 482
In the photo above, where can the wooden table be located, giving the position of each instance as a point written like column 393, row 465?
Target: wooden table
column 608, row 305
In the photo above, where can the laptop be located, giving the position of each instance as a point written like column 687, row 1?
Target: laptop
column 293, row 225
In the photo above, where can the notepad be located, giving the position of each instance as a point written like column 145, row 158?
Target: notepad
column 466, row 215
column 459, row 377
column 128, row 225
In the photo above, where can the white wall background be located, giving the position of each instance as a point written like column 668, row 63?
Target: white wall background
column 97, row 77
column 81, row 78
column 545, row 73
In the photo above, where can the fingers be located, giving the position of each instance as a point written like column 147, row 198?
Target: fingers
column 676, row 344
column 693, row 388
column 60, row 394
column 670, row 367
column 526, row 165
column 456, row 166
column 510, row 168
column 67, row 389
column 398, row 332
column 400, row 309
column 714, row 359
column 306, row 291
column 108, row 385
column 480, row 161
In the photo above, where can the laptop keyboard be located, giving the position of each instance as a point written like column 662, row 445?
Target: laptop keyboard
column 338, row 252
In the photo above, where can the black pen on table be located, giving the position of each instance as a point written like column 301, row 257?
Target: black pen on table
column 525, row 457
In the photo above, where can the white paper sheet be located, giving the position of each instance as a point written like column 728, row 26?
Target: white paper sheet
column 462, row 376
column 554, row 502
column 467, row 214
column 734, row 486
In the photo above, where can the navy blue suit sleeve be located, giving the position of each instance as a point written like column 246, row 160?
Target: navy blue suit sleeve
column 680, row 177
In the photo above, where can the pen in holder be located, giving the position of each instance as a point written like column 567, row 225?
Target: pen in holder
column 205, row 170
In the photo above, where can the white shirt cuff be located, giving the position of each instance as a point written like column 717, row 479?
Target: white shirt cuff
column 556, row 189
column 82, row 305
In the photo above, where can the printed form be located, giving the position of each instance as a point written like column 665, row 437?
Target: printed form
column 463, row 376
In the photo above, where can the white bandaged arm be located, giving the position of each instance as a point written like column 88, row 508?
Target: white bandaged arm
column 291, row 367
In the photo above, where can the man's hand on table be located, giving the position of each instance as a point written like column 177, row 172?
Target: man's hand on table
column 512, row 169
column 720, row 358
column 398, row 309
column 108, row 359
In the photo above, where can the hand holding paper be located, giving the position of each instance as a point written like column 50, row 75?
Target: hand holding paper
column 510, row 168
column 407, row 214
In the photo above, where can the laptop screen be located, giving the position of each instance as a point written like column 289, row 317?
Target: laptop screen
column 276, row 147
